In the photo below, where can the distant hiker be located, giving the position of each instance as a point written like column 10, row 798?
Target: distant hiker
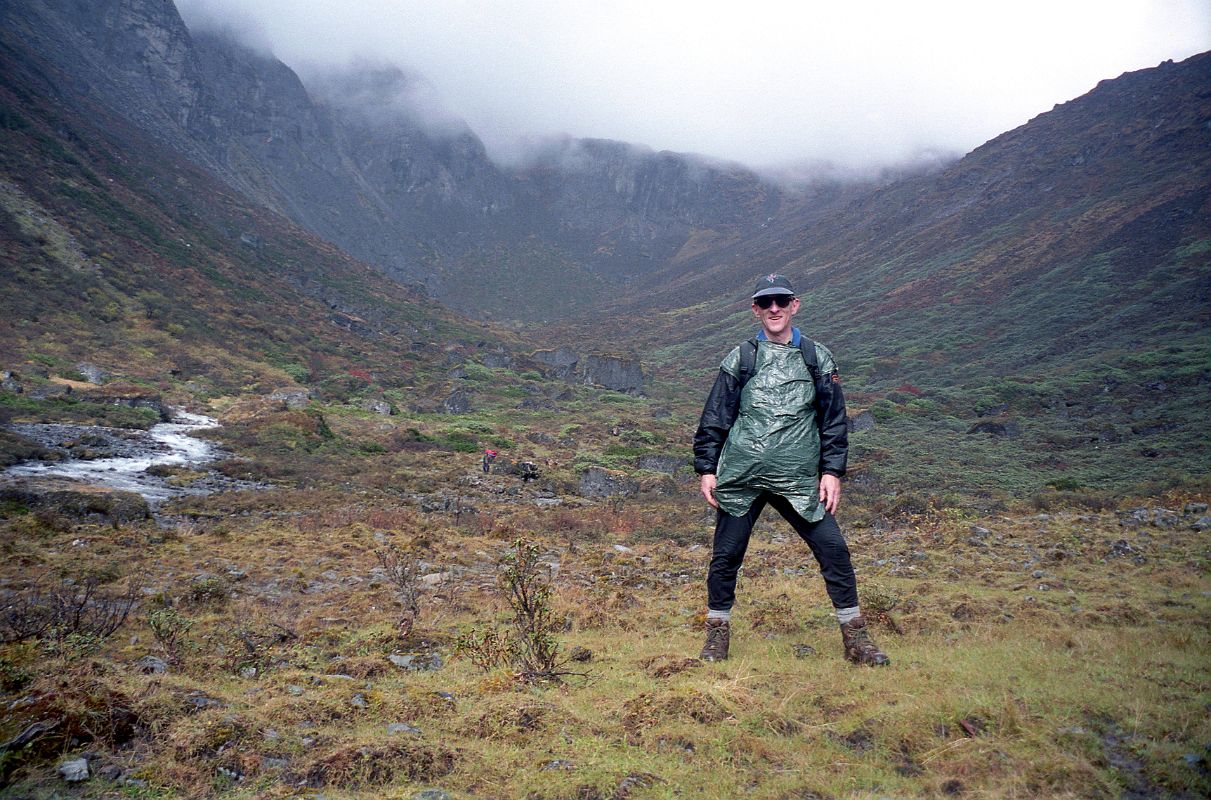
column 529, row 471
column 773, row 432
column 489, row 457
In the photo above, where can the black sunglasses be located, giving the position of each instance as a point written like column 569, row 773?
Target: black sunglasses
column 766, row 300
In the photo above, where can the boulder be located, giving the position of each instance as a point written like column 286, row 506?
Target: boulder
column 292, row 399
column 9, row 382
column 602, row 482
column 613, row 372
column 130, row 397
column 377, row 406
column 864, row 421
column 656, row 463
column 459, row 402
column 497, row 360
column 1008, row 429
column 92, row 373
column 74, row 770
column 559, row 363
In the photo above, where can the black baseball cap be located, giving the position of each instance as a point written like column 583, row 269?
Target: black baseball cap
column 773, row 284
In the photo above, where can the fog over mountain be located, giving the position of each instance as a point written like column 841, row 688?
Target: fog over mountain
column 769, row 84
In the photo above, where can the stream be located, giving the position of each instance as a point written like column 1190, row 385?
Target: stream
column 119, row 458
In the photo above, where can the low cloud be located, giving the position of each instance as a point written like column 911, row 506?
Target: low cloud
column 770, row 84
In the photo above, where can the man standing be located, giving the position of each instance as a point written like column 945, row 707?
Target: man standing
column 773, row 432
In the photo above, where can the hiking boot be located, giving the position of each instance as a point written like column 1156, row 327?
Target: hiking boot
column 858, row 645
column 718, row 637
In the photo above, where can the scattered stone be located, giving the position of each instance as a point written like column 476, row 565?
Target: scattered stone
column 274, row 762
column 976, row 530
column 1194, row 509
column 581, row 654
column 417, row 662
column 559, row 763
column 402, row 727
column 431, row 794
column 74, row 770
column 803, row 650
column 294, row 689
column 230, row 774
column 1201, row 524
column 359, row 701
column 1121, row 548
column 152, row 665
column 201, row 701
column 622, row 548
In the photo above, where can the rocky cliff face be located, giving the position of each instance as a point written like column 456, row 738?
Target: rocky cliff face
column 353, row 158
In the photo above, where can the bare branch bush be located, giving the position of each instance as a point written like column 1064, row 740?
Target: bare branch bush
column 403, row 570
column 54, row 611
column 486, row 648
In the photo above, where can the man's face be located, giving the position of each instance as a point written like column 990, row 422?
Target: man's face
column 776, row 317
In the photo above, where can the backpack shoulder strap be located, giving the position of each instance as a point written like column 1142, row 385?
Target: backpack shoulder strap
column 808, row 348
column 748, row 360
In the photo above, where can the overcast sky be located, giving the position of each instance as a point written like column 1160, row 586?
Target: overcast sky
column 856, row 83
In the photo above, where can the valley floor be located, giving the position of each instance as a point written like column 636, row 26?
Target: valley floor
column 267, row 655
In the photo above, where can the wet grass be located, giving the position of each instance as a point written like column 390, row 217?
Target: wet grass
column 1060, row 656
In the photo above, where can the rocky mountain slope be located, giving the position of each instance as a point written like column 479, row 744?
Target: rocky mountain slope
column 351, row 159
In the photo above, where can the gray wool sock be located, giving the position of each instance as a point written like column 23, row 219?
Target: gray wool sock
column 726, row 616
column 845, row 615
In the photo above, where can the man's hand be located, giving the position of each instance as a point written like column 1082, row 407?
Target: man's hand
column 830, row 492
column 707, row 486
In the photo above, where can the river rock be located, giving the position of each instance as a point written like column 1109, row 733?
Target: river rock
column 78, row 501
column 9, row 382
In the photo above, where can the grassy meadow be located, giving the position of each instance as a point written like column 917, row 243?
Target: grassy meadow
column 351, row 632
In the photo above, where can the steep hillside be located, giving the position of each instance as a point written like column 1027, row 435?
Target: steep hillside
column 1054, row 284
column 353, row 159
column 120, row 252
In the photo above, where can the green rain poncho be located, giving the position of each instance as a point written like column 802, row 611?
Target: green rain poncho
column 774, row 445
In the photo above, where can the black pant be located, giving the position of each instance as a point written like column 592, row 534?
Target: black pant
column 823, row 537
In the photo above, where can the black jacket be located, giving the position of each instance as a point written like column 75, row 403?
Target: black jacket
column 723, row 406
